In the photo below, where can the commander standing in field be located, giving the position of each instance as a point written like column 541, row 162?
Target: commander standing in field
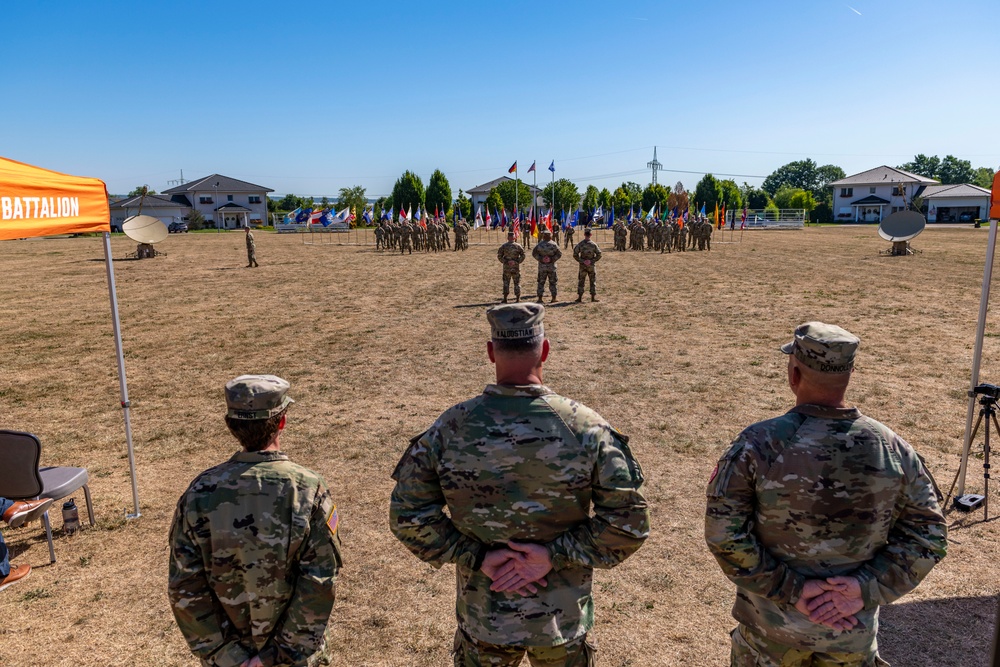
column 819, row 517
column 539, row 491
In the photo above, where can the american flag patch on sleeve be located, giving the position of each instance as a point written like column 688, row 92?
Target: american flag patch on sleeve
column 332, row 521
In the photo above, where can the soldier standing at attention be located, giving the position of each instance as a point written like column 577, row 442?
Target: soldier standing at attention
column 405, row 238
column 587, row 254
column 511, row 254
column 569, row 236
column 251, row 248
column 547, row 253
column 819, row 516
column 539, row 491
column 254, row 550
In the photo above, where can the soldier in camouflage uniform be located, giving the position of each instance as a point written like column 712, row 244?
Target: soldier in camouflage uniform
column 538, row 488
column 547, row 253
column 555, row 233
column 587, row 254
column 379, row 237
column 405, row 238
column 819, row 516
column 254, row 550
column 511, row 254
column 251, row 249
column 569, row 236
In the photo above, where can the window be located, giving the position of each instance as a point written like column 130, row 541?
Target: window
column 871, row 191
column 846, row 192
column 254, row 199
column 229, row 198
column 897, row 191
column 205, row 200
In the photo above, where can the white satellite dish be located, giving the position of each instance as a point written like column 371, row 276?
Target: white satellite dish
column 902, row 226
column 899, row 228
column 145, row 229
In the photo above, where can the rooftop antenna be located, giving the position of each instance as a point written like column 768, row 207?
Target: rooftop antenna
column 654, row 165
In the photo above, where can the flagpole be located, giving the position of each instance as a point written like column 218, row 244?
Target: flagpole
column 517, row 188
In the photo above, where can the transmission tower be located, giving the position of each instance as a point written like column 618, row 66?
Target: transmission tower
column 654, row 165
column 182, row 180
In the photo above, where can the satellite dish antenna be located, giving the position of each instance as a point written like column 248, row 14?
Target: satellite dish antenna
column 900, row 228
column 146, row 230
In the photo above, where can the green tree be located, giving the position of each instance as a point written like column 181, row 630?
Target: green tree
column 679, row 198
column 754, row 199
column 605, row 200
column 195, row 219
column 438, row 191
column 381, row 204
column 566, row 197
column 923, row 165
column 464, row 206
column 983, row 177
column 707, row 192
column 656, row 195
column 953, row 170
column 140, row 190
column 506, row 192
column 324, row 203
column 621, row 200
column 801, row 174
column 822, row 213
column 408, row 192
column 493, row 202
column 354, row 198
column 729, row 194
column 634, row 191
column 789, row 197
column 827, row 174
column 590, row 196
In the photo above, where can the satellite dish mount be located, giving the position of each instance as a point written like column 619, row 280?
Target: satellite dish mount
column 900, row 228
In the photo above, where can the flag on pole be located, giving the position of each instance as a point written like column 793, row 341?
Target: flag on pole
column 575, row 219
column 489, row 218
column 611, row 220
column 496, row 218
column 479, row 217
column 368, row 215
column 316, row 216
column 702, row 212
column 290, row 217
column 532, row 223
column 716, row 215
column 722, row 218
column 651, row 213
column 302, row 217
column 532, row 167
column 552, row 167
column 513, row 168
column 517, row 229
column 409, row 212
column 628, row 218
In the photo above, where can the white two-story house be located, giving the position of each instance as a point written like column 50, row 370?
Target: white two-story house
column 223, row 201
column 873, row 195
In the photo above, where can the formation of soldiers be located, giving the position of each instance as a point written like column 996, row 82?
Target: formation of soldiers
column 664, row 236
column 409, row 236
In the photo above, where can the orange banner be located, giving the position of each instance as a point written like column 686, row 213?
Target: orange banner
column 39, row 202
column 995, row 199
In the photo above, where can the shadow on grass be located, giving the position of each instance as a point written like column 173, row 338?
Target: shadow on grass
column 953, row 632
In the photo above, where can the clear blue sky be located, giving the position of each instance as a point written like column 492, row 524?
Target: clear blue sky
column 309, row 97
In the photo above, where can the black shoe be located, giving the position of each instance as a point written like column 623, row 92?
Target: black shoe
column 579, row 299
column 504, row 300
column 593, row 297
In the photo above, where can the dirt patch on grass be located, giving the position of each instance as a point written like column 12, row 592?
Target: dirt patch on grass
column 680, row 353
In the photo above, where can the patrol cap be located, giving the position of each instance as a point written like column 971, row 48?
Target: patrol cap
column 586, row 232
column 516, row 321
column 253, row 397
column 826, row 348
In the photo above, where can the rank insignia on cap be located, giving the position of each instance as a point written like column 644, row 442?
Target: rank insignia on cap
column 332, row 521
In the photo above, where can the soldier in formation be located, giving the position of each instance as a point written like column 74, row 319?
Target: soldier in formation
column 819, row 517
column 587, row 254
column 510, row 255
column 547, row 253
column 254, row 549
column 462, row 235
column 555, row 233
column 251, row 248
column 569, row 237
column 620, row 232
column 524, row 531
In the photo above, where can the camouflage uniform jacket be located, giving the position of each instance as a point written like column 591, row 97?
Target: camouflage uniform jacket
column 821, row 492
column 547, row 249
column 511, row 251
column 587, row 249
column 250, row 243
column 521, row 463
column 254, row 555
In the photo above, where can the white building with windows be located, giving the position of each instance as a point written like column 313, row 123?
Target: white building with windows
column 959, row 202
column 873, row 195
column 479, row 193
column 223, row 201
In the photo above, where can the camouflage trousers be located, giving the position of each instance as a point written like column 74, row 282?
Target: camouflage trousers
column 404, row 245
column 586, row 271
column 470, row 652
column 252, row 257
column 515, row 273
column 569, row 241
column 751, row 650
column 547, row 272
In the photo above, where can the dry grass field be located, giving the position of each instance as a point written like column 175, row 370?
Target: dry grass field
column 680, row 353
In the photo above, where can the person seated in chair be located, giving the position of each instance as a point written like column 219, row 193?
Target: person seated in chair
column 17, row 513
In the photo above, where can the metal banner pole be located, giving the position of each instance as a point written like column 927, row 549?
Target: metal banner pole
column 984, row 302
column 123, row 385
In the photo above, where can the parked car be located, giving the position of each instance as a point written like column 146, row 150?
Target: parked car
column 177, row 227
column 966, row 217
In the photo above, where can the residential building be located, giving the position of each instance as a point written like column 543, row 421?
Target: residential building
column 960, row 202
column 158, row 206
column 873, row 195
column 223, row 201
column 479, row 193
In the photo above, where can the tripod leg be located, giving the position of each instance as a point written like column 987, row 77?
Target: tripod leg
column 972, row 438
